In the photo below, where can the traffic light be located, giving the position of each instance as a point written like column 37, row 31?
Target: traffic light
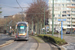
column 46, row 22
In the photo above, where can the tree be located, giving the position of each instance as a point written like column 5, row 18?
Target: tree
column 0, row 11
column 5, row 22
column 36, row 11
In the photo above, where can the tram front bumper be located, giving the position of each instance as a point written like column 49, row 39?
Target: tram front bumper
column 22, row 37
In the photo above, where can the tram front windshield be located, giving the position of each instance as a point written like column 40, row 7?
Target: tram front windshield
column 22, row 29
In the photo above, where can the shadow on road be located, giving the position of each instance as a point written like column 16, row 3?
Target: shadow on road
column 20, row 40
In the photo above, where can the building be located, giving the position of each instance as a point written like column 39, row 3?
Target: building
column 6, row 16
column 62, row 11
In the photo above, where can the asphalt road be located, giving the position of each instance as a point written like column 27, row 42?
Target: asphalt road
column 4, row 38
column 31, row 44
column 71, row 46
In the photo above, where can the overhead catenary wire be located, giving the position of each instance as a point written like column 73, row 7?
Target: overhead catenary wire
column 19, row 5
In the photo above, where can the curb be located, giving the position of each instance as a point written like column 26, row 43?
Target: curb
column 60, row 47
column 7, row 42
column 65, row 45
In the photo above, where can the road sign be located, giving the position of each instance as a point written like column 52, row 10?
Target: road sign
column 61, row 19
column 61, row 26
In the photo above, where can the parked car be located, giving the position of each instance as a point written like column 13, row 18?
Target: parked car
column 68, row 32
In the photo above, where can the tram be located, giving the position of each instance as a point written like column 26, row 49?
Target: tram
column 22, row 31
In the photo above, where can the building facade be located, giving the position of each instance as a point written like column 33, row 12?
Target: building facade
column 62, row 11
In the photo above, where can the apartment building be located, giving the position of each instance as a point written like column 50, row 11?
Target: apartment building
column 63, row 11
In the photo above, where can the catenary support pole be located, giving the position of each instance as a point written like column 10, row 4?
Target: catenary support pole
column 53, row 19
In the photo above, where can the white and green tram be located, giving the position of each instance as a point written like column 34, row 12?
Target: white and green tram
column 22, row 31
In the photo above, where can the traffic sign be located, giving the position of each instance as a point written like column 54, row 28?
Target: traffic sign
column 61, row 26
column 61, row 19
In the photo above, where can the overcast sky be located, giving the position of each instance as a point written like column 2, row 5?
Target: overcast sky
column 7, row 6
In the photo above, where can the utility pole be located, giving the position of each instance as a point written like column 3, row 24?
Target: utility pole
column 32, row 24
column 44, row 20
column 71, row 20
column 53, row 18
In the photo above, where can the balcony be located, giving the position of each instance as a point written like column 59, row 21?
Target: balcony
column 73, row 16
column 73, row 23
column 73, row 13
column 68, row 20
column 73, row 20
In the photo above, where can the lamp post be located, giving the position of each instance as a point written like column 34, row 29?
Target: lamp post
column 53, row 18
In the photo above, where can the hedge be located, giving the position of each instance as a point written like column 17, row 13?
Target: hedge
column 51, row 33
column 53, row 39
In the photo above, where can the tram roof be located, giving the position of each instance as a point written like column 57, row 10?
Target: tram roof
column 22, row 22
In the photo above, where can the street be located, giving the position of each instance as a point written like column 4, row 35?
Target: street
column 71, row 46
column 71, row 42
column 4, row 38
column 18, row 45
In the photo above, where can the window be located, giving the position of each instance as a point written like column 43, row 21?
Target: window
column 73, row 11
column 68, row 25
column 64, row 8
column 73, row 0
column 58, row 1
column 63, row 15
column 67, row 4
column 68, row 0
column 68, row 8
column 68, row 14
column 73, row 25
column 62, row 4
column 68, row 11
column 58, row 15
column 64, row 11
column 63, row 1
column 68, row 22
column 68, row 18
column 73, row 4
column 73, row 15
column 73, row 18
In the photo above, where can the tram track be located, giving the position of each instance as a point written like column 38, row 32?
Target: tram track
column 20, row 45
column 37, row 45
column 31, row 44
column 36, row 42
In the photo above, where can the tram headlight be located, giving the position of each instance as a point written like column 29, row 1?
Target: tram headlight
column 25, row 33
column 22, row 34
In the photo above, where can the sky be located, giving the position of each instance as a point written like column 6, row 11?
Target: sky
column 7, row 6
